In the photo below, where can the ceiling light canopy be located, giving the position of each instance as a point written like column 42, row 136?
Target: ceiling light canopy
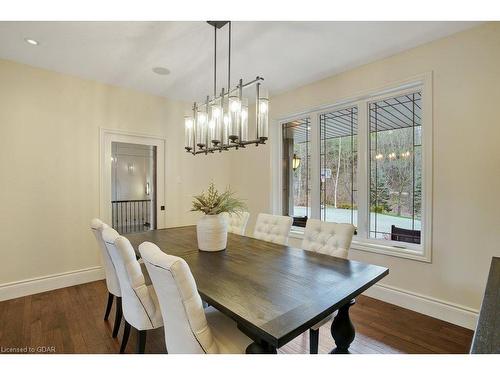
column 221, row 122
column 33, row 42
column 161, row 70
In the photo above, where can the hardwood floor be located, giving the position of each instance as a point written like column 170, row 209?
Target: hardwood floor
column 70, row 320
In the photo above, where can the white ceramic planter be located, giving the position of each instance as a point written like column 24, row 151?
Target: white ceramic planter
column 211, row 231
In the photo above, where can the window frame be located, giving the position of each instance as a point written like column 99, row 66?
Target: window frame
column 362, row 242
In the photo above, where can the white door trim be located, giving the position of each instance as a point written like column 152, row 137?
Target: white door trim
column 106, row 137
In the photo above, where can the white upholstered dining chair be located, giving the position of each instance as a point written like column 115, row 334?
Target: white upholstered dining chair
column 189, row 328
column 140, row 305
column 332, row 239
column 237, row 223
column 112, row 283
column 273, row 228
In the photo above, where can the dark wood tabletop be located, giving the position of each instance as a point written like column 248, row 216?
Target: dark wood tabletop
column 487, row 335
column 273, row 292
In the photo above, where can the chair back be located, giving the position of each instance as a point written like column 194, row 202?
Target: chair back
column 328, row 238
column 273, row 228
column 112, row 283
column 186, row 327
column 138, row 304
column 237, row 223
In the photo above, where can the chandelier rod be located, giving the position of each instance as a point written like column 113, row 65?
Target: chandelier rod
column 229, row 60
column 215, row 61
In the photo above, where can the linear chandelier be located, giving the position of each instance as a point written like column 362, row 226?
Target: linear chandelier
column 221, row 122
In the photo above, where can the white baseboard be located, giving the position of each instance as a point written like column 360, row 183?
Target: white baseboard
column 447, row 311
column 45, row 283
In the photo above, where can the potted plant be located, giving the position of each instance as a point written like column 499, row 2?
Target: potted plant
column 211, row 228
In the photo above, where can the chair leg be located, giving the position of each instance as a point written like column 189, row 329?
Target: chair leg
column 313, row 341
column 126, row 333
column 141, row 341
column 118, row 316
column 108, row 306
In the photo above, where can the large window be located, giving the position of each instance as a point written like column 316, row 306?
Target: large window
column 366, row 162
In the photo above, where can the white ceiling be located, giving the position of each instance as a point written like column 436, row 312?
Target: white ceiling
column 286, row 54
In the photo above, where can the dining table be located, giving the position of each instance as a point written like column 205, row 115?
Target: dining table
column 273, row 292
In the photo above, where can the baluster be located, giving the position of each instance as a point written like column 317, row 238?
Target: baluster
column 142, row 214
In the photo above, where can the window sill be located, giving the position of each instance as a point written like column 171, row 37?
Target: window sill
column 375, row 248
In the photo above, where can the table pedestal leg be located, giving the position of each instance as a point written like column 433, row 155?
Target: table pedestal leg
column 261, row 348
column 343, row 330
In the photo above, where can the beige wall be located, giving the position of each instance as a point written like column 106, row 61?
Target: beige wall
column 466, row 215
column 49, row 165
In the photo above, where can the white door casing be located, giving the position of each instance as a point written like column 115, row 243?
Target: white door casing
column 107, row 137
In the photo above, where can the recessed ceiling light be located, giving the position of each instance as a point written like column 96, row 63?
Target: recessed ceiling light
column 33, row 42
column 161, row 70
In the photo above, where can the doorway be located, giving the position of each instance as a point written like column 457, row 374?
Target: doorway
column 132, row 188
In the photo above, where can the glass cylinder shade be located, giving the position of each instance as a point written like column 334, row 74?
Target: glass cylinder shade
column 215, row 123
column 201, row 127
column 244, row 120
column 234, row 118
column 225, row 121
column 263, row 113
column 188, row 132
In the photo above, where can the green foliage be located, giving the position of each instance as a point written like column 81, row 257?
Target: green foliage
column 394, row 183
column 378, row 209
column 212, row 202
column 347, row 206
column 379, row 197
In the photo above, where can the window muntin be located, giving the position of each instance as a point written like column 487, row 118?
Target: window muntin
column 395, row 181
column 338, row 165
column 297, row 170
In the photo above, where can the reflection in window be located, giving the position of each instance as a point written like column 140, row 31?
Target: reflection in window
column 296, row 171
column 338, row 134
column 396, row 168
